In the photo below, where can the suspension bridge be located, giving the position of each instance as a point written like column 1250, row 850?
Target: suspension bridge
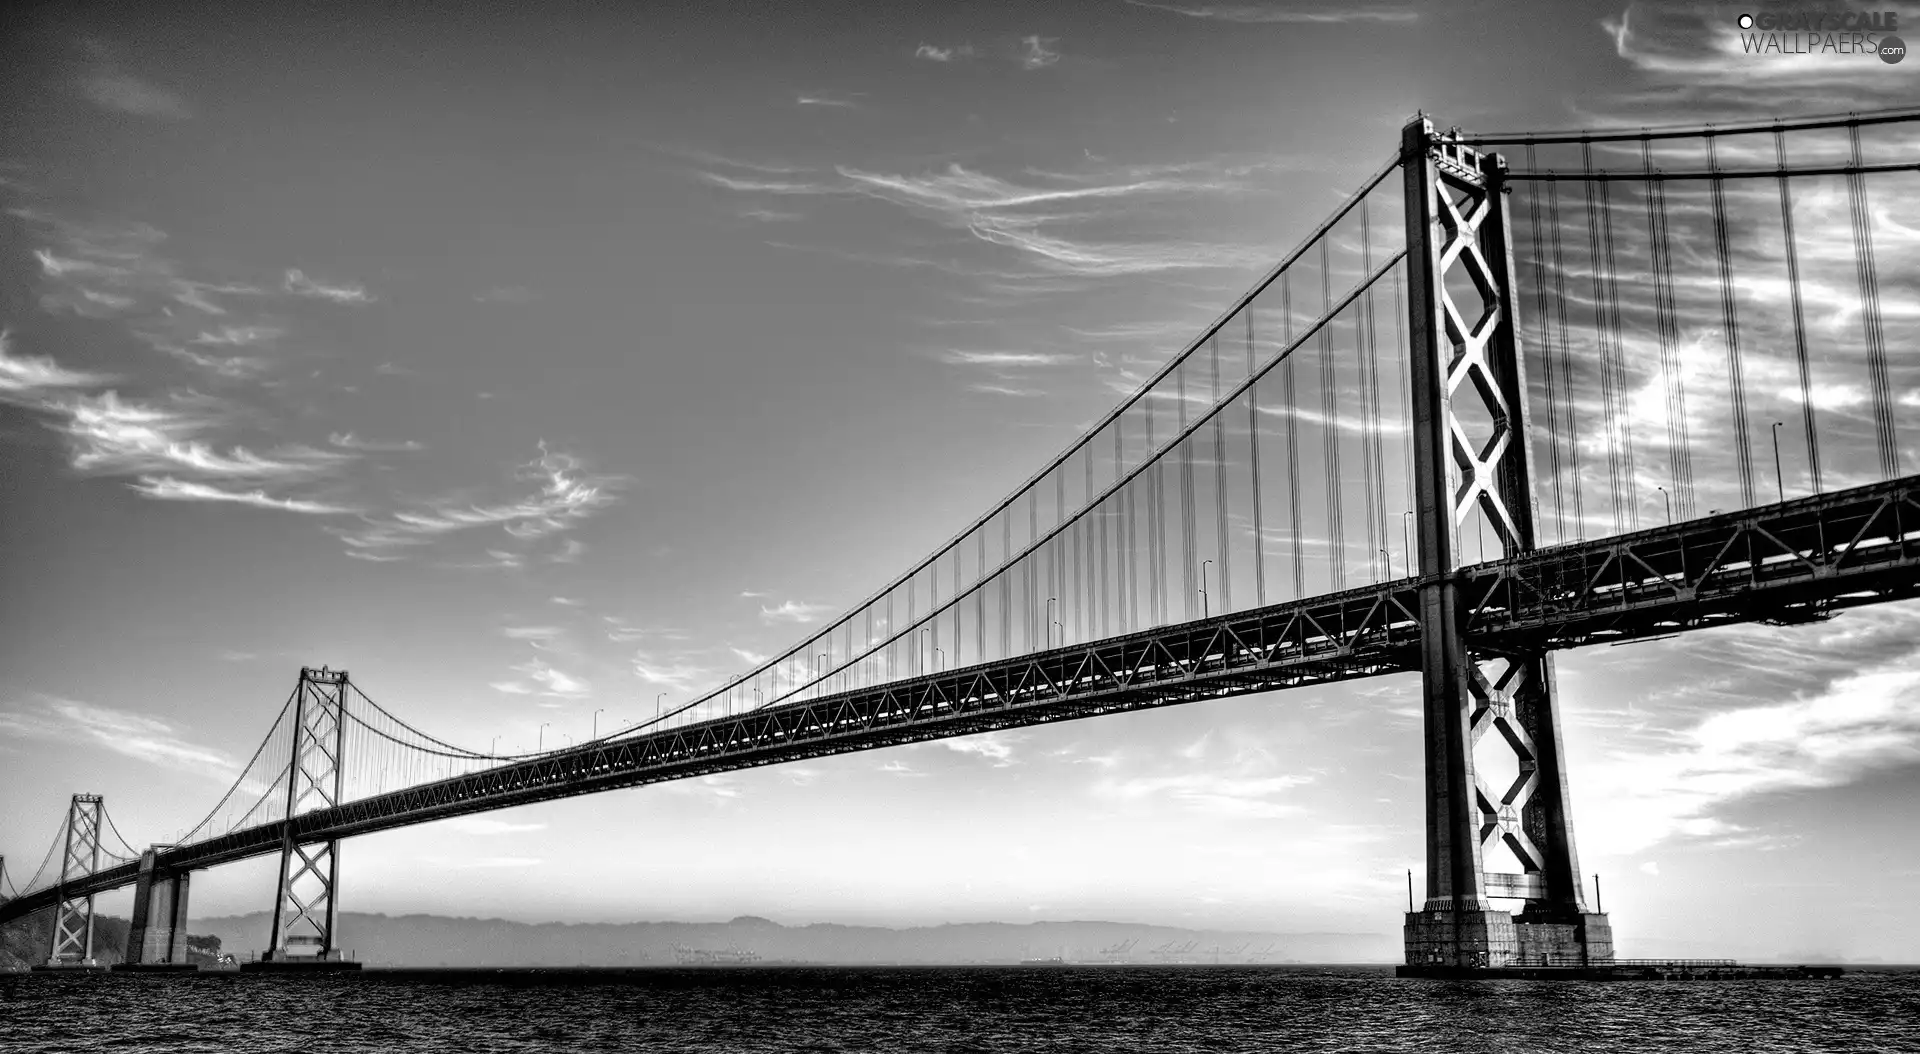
column 1538, row 392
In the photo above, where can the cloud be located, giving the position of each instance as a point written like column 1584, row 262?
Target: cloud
column 565, row 602
column 1001, row 389
column 299, row 284
column 123, row 732
column 564, row 496
column 112, row 435
column 996, row 747
column 483, row 825
column 126, row 93
column 539, row 635
column 794, row 611
column 30, row 376
column 679, row 676
column 751, row 658
column 825, row 99
column 349, row 441
column 1650, row 867
column 1210, row 792
column 1035, row 54
column 933, row 53
column 166, row 488
column 554, row 683
column 1855, row 710
column 1311, row 13
column 1006, row 359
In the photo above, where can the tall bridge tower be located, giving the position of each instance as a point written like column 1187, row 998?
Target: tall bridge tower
column 79, row 859
column 1472, row 454
column 305, row 908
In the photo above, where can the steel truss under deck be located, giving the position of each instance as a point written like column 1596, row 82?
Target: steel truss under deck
column 1794, row 562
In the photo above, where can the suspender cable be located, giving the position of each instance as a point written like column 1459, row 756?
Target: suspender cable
column 1679, row 461
column 1799, row 316
column 1883, row 430
column 1330, row 432
column 1730, row 328
column 1253, row 451
column 1548, row 360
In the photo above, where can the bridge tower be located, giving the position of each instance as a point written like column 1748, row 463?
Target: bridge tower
column 79, row 857
column 305, row 907
column 1472, row 454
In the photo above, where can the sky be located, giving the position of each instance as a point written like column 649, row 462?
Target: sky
column 533, row 364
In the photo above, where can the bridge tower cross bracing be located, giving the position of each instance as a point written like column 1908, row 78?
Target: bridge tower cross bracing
column 79, row 858
column 1472, row 455
column 305, row 907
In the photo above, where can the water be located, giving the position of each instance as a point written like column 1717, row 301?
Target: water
column 1168, row 1009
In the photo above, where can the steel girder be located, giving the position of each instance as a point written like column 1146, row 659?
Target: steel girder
column 1797, row 561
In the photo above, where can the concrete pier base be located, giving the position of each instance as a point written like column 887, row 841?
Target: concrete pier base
column 83, row 966
column 158, row 934
column 1445, row 938
column 297, row 965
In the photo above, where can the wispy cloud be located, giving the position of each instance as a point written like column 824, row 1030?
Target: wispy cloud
column 123, row 732
column 751, row 658
column 679, row 676
column 1008, row 359
column 299, row 284
column 1035, row 52
column 482, row 825
column 109, row 86
column 996, row 747
column 546, row 681
column 1216, row 793
column 826, row 99
column 794, row 611
column 166, row 488
column 349, row 441
column 936, row 53
column 565, row 494
column 32, row 377
column 1309, row 12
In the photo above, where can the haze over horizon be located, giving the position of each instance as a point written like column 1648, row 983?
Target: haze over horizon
column 533, row 364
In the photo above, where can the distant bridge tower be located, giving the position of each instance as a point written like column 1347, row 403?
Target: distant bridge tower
column 306, row 908
column 80, row 857
column 1471, row 454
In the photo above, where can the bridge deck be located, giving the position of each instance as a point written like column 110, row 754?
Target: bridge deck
column 1791, row 562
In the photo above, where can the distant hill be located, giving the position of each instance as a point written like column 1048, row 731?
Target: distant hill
column 26, row 941
column 434, row 940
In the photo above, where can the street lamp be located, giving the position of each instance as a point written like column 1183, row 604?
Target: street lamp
column 540, row 738
column 1779, row 481
column 493, row 749
column 1051, row 603
column 1668, row 499
column 596, row 721
column 1388, row 557
column 658, row 702
column 1206, row 600
column 1406, row 538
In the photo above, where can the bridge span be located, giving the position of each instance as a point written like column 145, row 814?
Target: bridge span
column 1182, row 550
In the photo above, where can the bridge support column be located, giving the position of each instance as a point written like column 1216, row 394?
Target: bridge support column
column 305, row 908
column 1472, row 464
column 157, row 939
column 73, row 919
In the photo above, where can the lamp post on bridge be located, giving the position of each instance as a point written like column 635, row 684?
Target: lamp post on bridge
column 596, row 721
column 1668, row 499
column 540, row 738
column 1051, row 603
column 1206, row 599
column 1779, row 480
column 658, row 705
